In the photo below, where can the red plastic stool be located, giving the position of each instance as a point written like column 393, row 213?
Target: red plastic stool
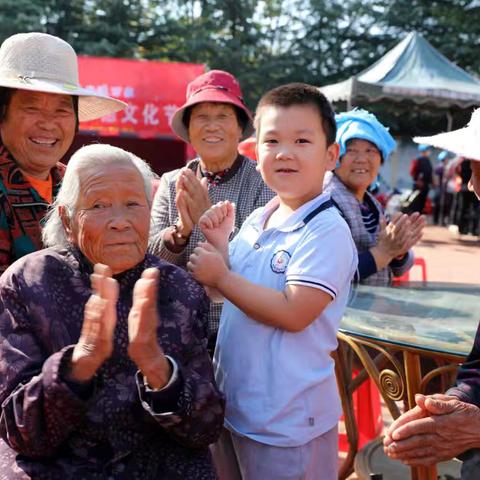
column 420, row 261
column 368, row 414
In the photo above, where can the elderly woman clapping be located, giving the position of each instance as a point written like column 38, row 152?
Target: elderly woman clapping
column 213, row 120
column 103, row 363
column 384, row 250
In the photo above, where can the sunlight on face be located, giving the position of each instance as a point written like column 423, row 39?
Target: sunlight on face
column 214, row 131
column 359, row 166
column 112, row 218
column 38, row 129
column 292, row 152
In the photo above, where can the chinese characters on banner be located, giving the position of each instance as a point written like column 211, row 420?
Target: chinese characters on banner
column 152, row 90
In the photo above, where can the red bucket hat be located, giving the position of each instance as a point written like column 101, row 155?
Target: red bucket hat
column 213, row 86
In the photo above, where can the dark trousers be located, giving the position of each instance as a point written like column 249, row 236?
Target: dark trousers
column 443, row 205
column 416, row 201
column 468, row 212
column 471, row 465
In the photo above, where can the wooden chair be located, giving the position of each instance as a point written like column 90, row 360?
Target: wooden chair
column 370, row 459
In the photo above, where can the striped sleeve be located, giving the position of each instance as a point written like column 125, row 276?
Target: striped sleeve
column 312, row 282
column 325, row 258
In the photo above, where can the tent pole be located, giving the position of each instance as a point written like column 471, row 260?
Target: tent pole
column 449, row 120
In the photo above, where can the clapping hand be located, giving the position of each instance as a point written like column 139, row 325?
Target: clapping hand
column 96, row 341
column 95, row 344
column 396, row 238
column 143, row 321
column 191, row 199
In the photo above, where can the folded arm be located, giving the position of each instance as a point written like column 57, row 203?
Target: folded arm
column 467, row 385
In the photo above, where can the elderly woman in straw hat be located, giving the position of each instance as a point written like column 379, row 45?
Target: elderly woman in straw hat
column 41, row 104
column 441, row 427
column 213, row 120
column 383, row 250
column 104, row 371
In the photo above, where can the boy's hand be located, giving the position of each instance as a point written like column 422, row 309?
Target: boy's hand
column 217, row 223
column 207, row 265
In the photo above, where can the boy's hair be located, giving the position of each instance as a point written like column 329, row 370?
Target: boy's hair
column 293, row 94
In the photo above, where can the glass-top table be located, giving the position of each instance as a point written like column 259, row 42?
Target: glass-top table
column 440, row 317
column 390, row 329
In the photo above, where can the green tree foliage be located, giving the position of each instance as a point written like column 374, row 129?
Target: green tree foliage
column 94, row 27
column 222, row 34
column 451, row 26
column 19, row 16
column 264, row 43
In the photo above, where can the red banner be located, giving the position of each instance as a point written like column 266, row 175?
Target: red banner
column 153, row 91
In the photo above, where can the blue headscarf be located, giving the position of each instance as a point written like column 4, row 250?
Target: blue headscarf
column 442, row 156
column 365, row 126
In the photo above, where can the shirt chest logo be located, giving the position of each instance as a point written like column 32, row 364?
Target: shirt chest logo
column 279, row 261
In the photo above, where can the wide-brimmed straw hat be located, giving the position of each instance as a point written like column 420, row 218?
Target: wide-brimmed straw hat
column 43, row 63
column 214, row 86
column 464, row 141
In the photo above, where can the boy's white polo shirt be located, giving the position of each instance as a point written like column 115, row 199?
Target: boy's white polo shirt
column 280, row 387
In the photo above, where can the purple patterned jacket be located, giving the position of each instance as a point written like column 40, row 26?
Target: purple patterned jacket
column 112, row 428
column 467, row 387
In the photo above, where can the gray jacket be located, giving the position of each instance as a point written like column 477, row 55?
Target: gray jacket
column 364, row 240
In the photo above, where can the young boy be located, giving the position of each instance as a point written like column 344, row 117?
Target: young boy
column 285, row 278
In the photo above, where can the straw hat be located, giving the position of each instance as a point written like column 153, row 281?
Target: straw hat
column 44, row 63
column 464, row 141
column 213, row 86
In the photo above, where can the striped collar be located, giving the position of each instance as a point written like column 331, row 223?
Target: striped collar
column 299, row 218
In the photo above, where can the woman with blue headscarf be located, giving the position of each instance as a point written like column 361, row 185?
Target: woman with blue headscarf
column 383, row 248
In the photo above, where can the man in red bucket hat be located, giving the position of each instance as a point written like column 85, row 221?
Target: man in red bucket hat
column 213, row 120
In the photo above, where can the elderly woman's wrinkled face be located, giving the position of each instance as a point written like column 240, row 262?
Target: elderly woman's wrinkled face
column 112, row 218
column 359, row 166
column 38, row 129
column 214, row 131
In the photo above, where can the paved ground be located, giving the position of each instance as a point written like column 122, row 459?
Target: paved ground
column 448, row 258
